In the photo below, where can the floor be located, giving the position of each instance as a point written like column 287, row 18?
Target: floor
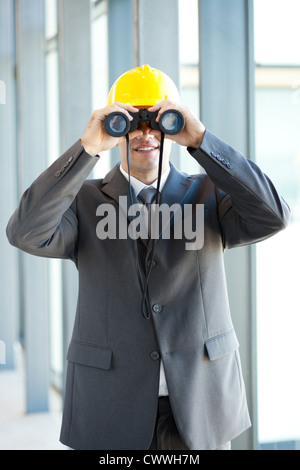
column 20, row 431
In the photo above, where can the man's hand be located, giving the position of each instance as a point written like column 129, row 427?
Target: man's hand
column 193, row 132
column 95, row 139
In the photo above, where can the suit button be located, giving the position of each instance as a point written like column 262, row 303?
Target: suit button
column 213, row 154
column 154, row 355
column 157, row 308
column 229, row 166
column 70, row 159
column 154, row 263
column 57, row 174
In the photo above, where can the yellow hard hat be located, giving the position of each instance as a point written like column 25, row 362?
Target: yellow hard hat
column 143, row 86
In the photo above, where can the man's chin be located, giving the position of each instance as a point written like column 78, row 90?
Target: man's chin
column 146, row 160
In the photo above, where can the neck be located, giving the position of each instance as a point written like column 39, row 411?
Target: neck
column 147, row 177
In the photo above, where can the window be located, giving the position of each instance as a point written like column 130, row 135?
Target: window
column 53, row 151
column 189, row 68
column 51, row 26
column 277, row 56
column 100, row 84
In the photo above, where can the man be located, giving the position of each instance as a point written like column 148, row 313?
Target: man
column 170, row 379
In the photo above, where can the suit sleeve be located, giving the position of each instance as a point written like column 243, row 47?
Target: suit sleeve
column 250, row 209
column 45, row 223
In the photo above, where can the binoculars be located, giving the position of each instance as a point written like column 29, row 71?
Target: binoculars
column 170, row 122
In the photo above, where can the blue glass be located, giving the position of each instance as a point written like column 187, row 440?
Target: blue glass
column 172, row 122
column 118, row 124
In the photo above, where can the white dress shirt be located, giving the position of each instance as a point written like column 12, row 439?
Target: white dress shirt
column 138, row 186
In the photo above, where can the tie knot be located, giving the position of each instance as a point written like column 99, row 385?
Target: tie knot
column 147, row 195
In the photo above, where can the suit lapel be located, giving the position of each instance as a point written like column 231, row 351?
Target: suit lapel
column 115, row 185
column 176, row 187
column 174, row 194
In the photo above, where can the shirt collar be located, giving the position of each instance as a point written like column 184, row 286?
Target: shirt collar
column 139, row 185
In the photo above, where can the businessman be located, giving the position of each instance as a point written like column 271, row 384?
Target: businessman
column 154, row 359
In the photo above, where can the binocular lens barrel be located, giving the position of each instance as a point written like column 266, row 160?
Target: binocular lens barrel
column 171, row 122
column 117, row 124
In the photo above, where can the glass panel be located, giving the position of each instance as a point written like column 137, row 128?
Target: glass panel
column 51, row 18
column 189, row 68
column 277, row 32
column 278, row 154
column 52, row 103
column 100, row 55
column 55, row 281
column 100, row 72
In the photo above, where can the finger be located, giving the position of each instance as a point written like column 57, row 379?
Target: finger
column 159, row 105
column 125, row 106
column 164, row 106
column 155, row 108
column 124, row 109
column 128, row 107
column 114, row 109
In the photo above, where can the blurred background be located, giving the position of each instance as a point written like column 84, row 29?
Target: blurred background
column 237, row 64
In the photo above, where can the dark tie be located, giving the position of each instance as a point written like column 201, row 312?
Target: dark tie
column 146, row 197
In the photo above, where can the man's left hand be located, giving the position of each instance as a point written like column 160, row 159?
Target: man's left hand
column 193, row 131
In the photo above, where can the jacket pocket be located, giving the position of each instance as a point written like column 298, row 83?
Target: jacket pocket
column 221, row 345
column 89, row 355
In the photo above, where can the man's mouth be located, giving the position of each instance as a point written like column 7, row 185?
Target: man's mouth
column 145, row 149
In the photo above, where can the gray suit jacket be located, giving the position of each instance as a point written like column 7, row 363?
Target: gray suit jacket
column 114, row 356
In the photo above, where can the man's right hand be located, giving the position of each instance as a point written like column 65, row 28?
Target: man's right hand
column 95, row 139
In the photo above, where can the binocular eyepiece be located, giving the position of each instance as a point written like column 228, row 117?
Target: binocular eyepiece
column 170, row 122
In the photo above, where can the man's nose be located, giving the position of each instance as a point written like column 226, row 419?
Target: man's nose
column 146, row 129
